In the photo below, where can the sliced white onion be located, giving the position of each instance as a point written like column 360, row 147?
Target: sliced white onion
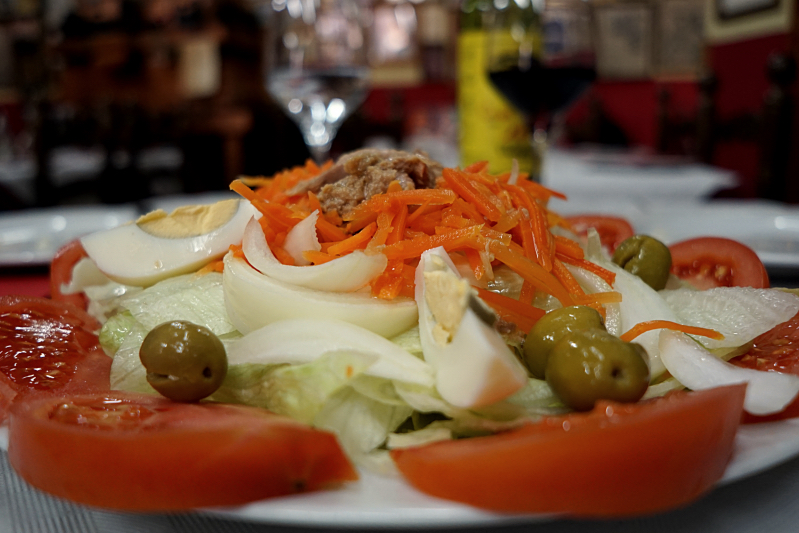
column 591, row 283
column 641, row 303
column 738, row 313
column 302, row 238
column 698, row 369
column 304, row 340
column 344, row 274
column 253, row 300
column 84, row 274
column 476, row 368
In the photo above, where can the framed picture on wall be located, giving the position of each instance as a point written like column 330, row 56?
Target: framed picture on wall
column 679, row 38
column 737, row 8
column 623, row 32
column 735, row 20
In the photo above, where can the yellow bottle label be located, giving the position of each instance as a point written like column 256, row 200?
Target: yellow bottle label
column 490, row 128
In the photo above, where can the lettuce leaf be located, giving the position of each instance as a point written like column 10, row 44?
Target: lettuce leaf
column 115, row 330
column 195, row 298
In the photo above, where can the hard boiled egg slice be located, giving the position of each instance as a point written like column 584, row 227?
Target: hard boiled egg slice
column 344, row 274
column 473, row 365
column 253, row 300
column 158, row 246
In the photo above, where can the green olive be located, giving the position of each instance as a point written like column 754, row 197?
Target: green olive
column 551, row 328
column 647, row 258
column 185, row 362
column 591, row 365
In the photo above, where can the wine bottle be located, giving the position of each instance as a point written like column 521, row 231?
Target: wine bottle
column 490, row 128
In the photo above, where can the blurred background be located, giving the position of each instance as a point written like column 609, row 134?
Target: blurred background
column 115, row 101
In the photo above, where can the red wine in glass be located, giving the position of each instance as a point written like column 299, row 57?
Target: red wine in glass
column 542, row 89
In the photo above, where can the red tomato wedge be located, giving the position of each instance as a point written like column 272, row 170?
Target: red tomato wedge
column 617, row 460
column 708, row 262
column 139, row 452
column 612, row 230
column 61, row 273
column 776, row 350
column 48, row 346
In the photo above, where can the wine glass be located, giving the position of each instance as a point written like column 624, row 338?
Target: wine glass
column 540, row 56
column 316, row 65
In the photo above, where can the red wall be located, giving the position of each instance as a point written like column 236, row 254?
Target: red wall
column 741, row 72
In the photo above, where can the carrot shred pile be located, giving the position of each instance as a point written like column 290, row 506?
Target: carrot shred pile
column 643, row 327
column 488, row 218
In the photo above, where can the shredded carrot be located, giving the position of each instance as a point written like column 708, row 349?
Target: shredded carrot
column 388, row 285
column 523, row 315
column 475, row 263
column 355, row 242
column 527, row 293
column 539, row 191
column 328, row 231
column 508, row 221
column 419, row 211
column 643, row 327
column 566, row 278
column 476, row 167
column 384, row 228
column 214, row 266
column 398, row 226
column 381, row 202
column 486, row 218
column 528, row 244
column 415, row 247
column 317, row 258
column 460, row 183
column 598, row 298
column 394, row 186
column 531, row 271
column 541, row 237
column 282, row 255
column 603, row 273
column 313, row 203
column 236, row 250
column 568, row 247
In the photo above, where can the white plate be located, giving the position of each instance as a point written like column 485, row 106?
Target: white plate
column 32, row 237
column 590, row 175
column 770, row 229
column 388, row 502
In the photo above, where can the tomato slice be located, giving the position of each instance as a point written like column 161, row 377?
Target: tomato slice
column 617, row 460
column 612, row 230
column 140, row 452
column 48, row 346
column 61, row 273
column 776, row 350
column 708, row 262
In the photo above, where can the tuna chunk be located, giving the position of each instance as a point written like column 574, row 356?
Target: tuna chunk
column 359, row 175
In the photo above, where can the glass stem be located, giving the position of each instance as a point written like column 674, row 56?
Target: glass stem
column 320, row 153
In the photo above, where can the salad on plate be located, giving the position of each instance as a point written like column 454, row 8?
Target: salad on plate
column 384, row 316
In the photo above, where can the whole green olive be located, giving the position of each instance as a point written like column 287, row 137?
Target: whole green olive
column 550, row 329
column 185, row 362
column 586, row 366
column 647, row 258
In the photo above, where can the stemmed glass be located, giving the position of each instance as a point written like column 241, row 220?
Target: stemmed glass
column 316, row 65
column 540, row 56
